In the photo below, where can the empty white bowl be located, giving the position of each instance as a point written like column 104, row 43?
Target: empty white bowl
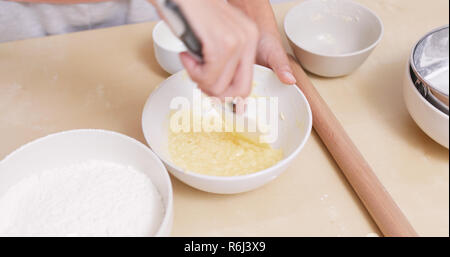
column 75, row 146
column 332, row 37
column 431, row 120
column 167, row 48
column 293, row 130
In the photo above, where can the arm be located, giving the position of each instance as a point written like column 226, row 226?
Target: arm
column 270, row 51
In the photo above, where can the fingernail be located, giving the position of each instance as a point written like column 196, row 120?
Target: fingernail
column 289, row 77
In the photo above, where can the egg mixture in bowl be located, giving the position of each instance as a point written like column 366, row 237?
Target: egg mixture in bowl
column 220, row 153
column 226, row 162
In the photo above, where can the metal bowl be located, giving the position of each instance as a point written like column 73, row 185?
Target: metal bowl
column 427, row 93
column 429, row 62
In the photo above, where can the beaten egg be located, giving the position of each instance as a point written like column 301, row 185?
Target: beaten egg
column 220, row 153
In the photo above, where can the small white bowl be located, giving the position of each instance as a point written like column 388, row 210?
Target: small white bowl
column 167, row 48
column 431, row 120
column 332, row 37
column 69, row 147
column 293, row 130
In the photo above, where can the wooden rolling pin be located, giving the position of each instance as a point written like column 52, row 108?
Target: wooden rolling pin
column 384, row 211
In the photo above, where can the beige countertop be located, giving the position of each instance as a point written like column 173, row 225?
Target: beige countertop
column 102, row 78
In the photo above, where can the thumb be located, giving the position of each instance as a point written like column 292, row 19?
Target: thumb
column 192, row 66
column 279, row 63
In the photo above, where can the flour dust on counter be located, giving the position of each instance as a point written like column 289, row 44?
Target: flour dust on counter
column 92, row 198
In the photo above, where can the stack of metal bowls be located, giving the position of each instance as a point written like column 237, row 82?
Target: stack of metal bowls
column 427, row 84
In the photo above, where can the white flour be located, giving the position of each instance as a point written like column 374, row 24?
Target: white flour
column 94, row 198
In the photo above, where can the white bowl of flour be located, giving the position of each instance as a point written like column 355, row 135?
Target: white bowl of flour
column 84, row 183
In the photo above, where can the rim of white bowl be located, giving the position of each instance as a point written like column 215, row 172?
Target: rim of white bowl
column 239, row 177
column 168, row 211
column 428, row 104
column 368, row 48
column 156, row 38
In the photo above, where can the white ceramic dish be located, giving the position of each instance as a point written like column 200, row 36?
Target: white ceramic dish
column 431, row 120
column 293, row 131
column 74, row 146
column 332, row 37
column 167, row 48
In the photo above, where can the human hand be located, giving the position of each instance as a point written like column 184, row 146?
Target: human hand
column 229, row 41
column 270, row 51
column 271, row 54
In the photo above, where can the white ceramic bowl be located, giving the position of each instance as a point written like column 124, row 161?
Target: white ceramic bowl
column 332, row 37
column 74, row 146
column 167, row 48
column 293, row 131
column 431, row 120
